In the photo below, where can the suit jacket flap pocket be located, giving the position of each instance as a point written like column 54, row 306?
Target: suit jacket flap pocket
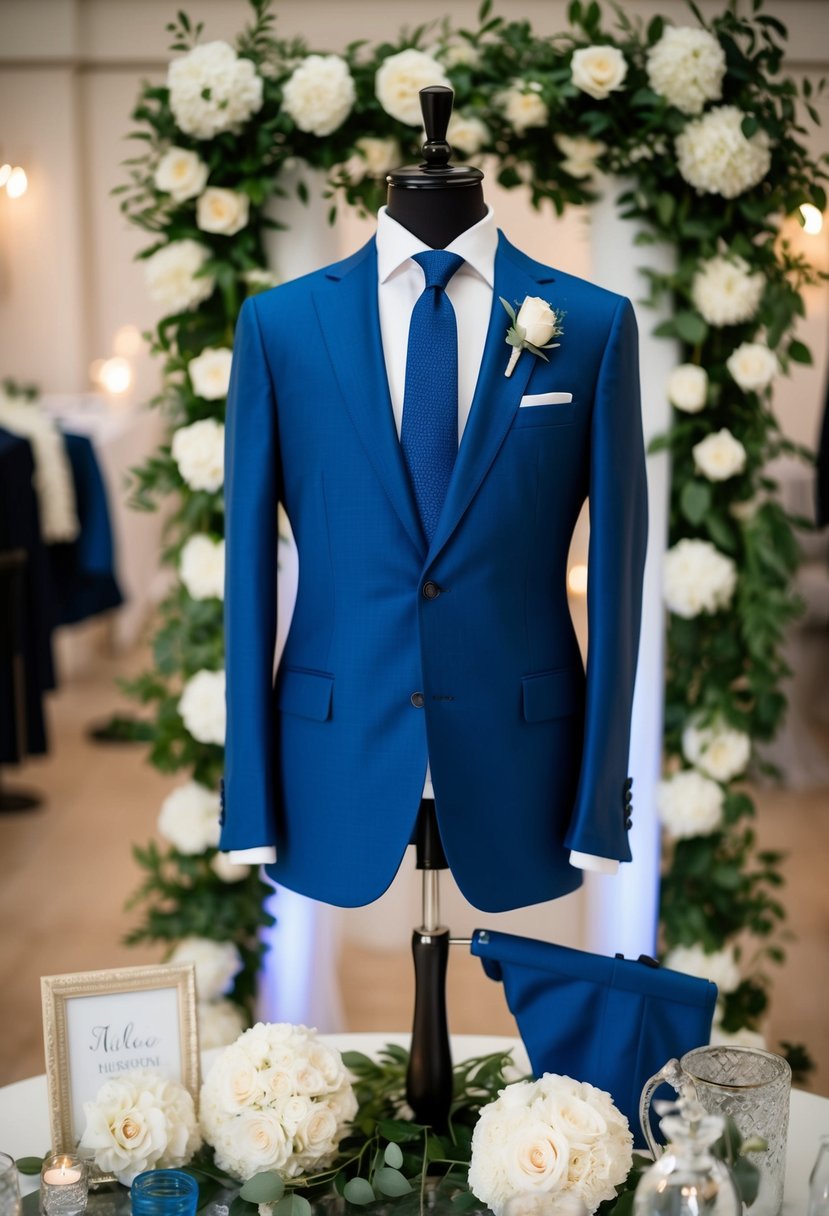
column 305, row 693
column 553, row 694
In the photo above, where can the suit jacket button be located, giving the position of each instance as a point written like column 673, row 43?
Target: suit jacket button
column 431, row 591
column 418, row 700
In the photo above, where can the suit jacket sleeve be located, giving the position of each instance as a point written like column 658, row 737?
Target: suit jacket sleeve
column 618, row 537
column 251, row 544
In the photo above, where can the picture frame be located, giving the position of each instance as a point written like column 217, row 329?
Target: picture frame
column 98, row 1025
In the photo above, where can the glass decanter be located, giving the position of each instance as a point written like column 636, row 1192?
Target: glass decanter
column 687, row 1180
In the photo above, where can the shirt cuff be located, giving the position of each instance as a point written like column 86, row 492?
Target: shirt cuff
column 264, row 855
column 598, row 865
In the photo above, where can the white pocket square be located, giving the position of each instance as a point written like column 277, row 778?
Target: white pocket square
column 546, row 399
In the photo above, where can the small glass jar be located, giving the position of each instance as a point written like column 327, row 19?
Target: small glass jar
column 64, row 1185
column 9, row 1188
column 164, row 1193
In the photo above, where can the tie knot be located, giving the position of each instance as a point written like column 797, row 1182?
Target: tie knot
column 438, row 266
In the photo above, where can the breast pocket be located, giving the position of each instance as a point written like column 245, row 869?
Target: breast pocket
column 557, row 414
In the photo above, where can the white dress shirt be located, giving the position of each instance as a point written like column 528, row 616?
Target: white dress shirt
column 400, row 282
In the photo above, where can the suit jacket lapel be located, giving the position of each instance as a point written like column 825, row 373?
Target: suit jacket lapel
column 496, row 397
column 349, row 318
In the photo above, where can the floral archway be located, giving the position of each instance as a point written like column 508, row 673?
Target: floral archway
column 702, row 122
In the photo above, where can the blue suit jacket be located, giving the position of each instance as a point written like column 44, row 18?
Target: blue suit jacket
column 528, row 759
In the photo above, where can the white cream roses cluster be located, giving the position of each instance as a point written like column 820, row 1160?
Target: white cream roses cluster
column 172, row 279
column 719, row 455
column 688, row 388
column 373, row 157
column 140, row 1121
column 689, row 805
column 201, row 567
column 223, row 212
column 319, row 94
column 217, row 965
column 718, row 966
column 554, row 1137
column 598, row 70
column 725, row 292
column 697, row 578
column 523, row 106
column 753, row 366
column 719, row 750
column 181, row 173
column 467, row 133
column 399, row 80
column 210, row 372
column 202, row 706
column 189, row 818
column 580, row 154
column 213, row 90
column 715, row 157
column 276, row 1099
column 199, row 452
column 686, row 67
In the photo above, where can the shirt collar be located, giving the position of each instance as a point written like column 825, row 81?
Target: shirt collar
column 396, row 245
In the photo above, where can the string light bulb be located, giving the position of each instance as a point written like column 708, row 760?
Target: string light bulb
column 5, row 173
column 577, row 579
column 17, row 183
column 812, row 219
column 115, row 375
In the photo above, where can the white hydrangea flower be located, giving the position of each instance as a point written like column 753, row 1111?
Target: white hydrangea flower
column 227, row 870
column 170, row 275
column 686, row 67
column 689, row 805
column 523, row 107
column 202, row 706
column 373, row 157
column 319, row 94
column 580, row 154
column 212, row 90
column 719, row 750
column 688, row 388
column 399, row 80
column 201, row 567
column 719, row 455
column 181, row 173
column 217, row 965
column 467, row 133
column 720, row 966
column 210, row 372
column 220, row 1023
column 598, row 70
column 753, row 366
column 697, row 578
column 199, row 452
column 725, row 291
column 224, row 212
column 189, row 818
column 714, row 156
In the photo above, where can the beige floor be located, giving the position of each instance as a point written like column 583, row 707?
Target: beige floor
column 67, row 869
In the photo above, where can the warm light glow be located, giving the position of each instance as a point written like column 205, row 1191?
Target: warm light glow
column 577, row 579
column 5, row 173
column 115, row 375
column 95, row 370
column 18, row 182
column 127, row 341
column 812, row 218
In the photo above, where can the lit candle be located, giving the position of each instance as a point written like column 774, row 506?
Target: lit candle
column 63, row 1185
column 63, row 1176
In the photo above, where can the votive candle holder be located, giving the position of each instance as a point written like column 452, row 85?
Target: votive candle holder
column 64, row 1185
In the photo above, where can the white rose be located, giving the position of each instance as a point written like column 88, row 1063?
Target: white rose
column 199, row 452
column 523, row 107
column 170, row 275
column 467, row 133
column 460, row 54
column 753, row 366
column 725, row 292
column 537, row 1157
column 202, row 706
column 737, row 1038
column 399, row 80
column 189, row 818
column 580, row 154
column 227, row 870
column 689, row 805
column 260, row 1141
column 222, row 211
column 201, row 567
column 720, row 966
column 686, row 67
column 598, row 70
column 373, row 157
column 580, row 1121
column 718, row 750
column 715, row 157
column 212, row 90
column 260, row 280
column 220, row 1023
column 319, row 94
column 210, row 372
column 181, row 174
column 688, row 388
column 559, row 1203
column 217, row 964
column 318, row 1131
column 697, row 578
column 719, row 456
column 537, row 320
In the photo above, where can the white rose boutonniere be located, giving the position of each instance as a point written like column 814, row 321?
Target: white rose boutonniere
column 532, row 328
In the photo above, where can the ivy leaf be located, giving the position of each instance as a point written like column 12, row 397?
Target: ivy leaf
column 359, row 1191
column 389, row 1182
column 695, row 499
column 799, row 352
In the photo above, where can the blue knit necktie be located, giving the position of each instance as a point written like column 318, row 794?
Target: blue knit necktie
column 429, row 431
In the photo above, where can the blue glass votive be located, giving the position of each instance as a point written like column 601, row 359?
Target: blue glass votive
column 164, row 1193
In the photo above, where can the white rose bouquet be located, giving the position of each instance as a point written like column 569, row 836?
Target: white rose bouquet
column 554, row 1137
column 276, row 1099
